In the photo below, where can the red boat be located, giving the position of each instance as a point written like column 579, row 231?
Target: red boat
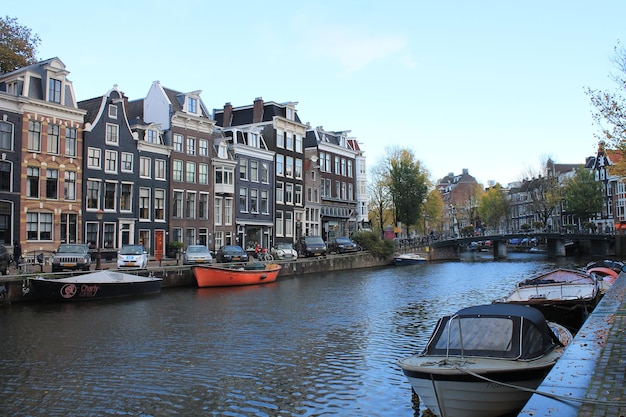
column 227, row 275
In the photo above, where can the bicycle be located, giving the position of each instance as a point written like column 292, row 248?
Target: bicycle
column 265, row 255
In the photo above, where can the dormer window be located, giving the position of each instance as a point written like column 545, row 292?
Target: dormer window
column 112, row 111
column 290, row 113
column 152, row 136
column 54, row 90
column 192, row 105
column 222, row 151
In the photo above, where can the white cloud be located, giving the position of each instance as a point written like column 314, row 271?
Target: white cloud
column 351, row 50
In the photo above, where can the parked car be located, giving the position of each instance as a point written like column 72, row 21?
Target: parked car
column 231, row 253
column 132, row 256
column 71, row 256
column 342, row 245
column 197, row 254
column 5, row 259
column 313, row 246
column 284, row 251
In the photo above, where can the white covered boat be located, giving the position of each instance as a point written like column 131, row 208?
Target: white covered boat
column 409, row 259
column 484, row 360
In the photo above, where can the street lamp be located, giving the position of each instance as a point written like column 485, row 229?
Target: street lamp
column 99, row 215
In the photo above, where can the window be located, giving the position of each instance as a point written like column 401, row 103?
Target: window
column 280, row 186
column 178, row 143
column 159, row 169
column 190, row 206
column 203, row 147
column 254, row 200
column 350, row 168
column 112, row 111
column 152, row 136
column 127, row 162
column 279, row 223
column 192, row 105
column 190, row 170
column 5, row 176
column 190, row 236
column 70, row 141
column 265, row 169
column 93, row 194
column 6, row 136
column 343, row 167
column 288, row 223
column 69, row 228
column 93, row 158
column 52, row 184
column 280, row 163
column 145, row 167
column 264, row 208
column 298, row 171
column 203, row 206
column 32, row 182
column 126, row 197
column 337, row 189
column 298, row 143
column 327, row 162
column 280, row 139
column 110, row 161
column 177, row 170
column 243, row 200
column 337, row 165
column 159, row 204
column 253, row 140
column 228, row 211
column 177, row 205
column 289, row 141
column 217, row 209
column 34, row 136
column 243, row 169
column 144, row 203
column 110, row 195
column 203, row 173
column 298, row 195
column 191, row 146
column 69, row 187
column 224, row 175
column 54, row 90
column 254, row 171
column 289, row 167
column 53, row 139
column 38, row 226
column 289, row 193
column 112, row 134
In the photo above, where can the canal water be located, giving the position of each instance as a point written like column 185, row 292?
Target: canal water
column 313, row 345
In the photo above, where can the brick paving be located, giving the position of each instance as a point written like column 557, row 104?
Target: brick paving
column 593, row 368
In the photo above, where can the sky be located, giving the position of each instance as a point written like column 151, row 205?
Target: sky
column 494, row 87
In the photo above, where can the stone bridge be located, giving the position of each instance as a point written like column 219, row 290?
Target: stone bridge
column 556, row 245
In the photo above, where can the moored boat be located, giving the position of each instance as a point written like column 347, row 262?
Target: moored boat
column 408, row 259
column 94, row 286
column 563, row 295
column 484, row 360
column 226, row 275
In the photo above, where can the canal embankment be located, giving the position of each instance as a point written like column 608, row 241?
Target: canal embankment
column 175, row 274
column 590, row 378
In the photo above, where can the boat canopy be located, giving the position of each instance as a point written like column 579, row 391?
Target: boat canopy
column 506, row 331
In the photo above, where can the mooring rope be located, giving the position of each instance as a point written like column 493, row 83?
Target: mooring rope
column 545, row 394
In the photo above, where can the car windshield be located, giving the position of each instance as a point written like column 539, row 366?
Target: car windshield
column 72, row 249
column 314, row 240
column 343, row 240
column 197, row 249
column 232, row 249
column 132, row 250
column 285, row 246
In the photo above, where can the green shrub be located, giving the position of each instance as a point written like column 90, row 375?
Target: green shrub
column 372, row 242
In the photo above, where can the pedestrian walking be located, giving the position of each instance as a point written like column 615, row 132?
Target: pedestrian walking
column 17, row 253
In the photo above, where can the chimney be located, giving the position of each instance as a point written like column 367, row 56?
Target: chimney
column 257, row 111
column 228, row 114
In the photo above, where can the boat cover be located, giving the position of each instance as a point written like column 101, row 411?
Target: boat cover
column 506, row 331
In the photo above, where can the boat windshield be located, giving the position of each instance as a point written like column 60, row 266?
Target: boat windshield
column 494, row 331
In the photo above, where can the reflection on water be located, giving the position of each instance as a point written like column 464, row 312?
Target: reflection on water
column 305, row 346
